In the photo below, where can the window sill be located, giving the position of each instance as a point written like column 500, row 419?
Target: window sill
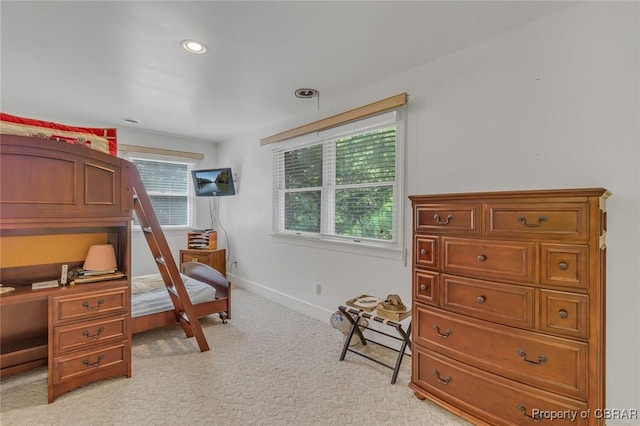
column 364, row 249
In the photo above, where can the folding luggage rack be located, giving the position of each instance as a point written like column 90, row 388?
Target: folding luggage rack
column 354, row 315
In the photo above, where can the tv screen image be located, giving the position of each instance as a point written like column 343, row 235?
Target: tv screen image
column 213, row 182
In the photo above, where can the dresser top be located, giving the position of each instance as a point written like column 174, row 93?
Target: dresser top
column 574, row 192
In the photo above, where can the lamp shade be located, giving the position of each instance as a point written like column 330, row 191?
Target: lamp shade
column 101, row 257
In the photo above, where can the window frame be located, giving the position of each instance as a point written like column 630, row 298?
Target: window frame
column 386, row 248
column 191, row 207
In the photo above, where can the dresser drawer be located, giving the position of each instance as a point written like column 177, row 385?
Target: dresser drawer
column 106, row 359
column 496, row 400
column 450, row 218
column 503, row 303
column 552, row 363
column 566, row 221
column 425, row 252
column 564, row 313
column 501, row 260
column 91, row 304
column 564, row 265
column 426, row 286
column 83, row 334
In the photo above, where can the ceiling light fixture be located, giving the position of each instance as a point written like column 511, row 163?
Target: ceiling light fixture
column 131, row 120
column 194, row 47
column 306, row 93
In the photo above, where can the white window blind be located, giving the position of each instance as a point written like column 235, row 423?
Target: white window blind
column 167, row 184
column 343, row 184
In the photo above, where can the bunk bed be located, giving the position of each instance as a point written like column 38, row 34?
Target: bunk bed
column 151, row 307
column 53, row 190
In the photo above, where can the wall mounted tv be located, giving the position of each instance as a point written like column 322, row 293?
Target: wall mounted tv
column 213, row 182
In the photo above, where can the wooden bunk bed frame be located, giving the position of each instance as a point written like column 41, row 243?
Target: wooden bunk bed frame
column 50, row 187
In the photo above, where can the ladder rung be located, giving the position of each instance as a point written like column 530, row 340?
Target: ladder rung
column 147, row 230
column 160, row 260
column 172, row 290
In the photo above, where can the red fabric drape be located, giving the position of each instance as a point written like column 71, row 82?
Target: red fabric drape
column 101, row 139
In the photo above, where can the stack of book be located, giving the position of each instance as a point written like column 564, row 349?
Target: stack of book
column 95, row 276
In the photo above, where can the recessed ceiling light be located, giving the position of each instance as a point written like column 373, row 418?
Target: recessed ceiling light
column 193, row 46
column 306, row 93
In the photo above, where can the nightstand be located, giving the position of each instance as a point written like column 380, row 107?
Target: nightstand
column 217, row 259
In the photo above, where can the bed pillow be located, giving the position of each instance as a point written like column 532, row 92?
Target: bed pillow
column 144, row 283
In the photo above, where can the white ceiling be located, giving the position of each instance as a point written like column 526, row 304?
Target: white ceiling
column 94, row 63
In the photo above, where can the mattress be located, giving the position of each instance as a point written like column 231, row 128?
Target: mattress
column 149, row 295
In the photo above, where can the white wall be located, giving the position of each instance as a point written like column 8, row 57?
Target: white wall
column 141, row 258
column 553, row 104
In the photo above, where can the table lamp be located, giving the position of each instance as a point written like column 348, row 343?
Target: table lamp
column 101, row 257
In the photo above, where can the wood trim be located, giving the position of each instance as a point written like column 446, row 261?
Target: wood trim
column 339, row 119
column 159, row 151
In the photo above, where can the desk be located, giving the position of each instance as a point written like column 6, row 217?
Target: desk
column 354, row 315
column 81, row 332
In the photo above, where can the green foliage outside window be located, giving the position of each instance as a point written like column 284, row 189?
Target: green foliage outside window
column 361, row 198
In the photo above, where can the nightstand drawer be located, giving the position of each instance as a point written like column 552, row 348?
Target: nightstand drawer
column 214, row 258
column 89, row 304
column 500, row 260
column 79, row 335
column 502, row 303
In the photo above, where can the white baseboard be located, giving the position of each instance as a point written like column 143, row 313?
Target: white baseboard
column 297, row 305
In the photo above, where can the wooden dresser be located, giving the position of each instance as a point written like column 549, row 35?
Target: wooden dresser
column 509, row 305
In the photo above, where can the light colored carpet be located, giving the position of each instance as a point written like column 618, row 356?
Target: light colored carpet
column 268, row 366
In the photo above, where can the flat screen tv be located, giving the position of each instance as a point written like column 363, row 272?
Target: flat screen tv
column 213, row 182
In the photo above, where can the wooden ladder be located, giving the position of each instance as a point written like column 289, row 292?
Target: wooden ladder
column 164, row 260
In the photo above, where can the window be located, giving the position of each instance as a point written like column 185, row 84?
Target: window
column 343, row 184
column 167, row 184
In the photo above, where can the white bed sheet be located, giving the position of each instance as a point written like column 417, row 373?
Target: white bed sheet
column 156, row 298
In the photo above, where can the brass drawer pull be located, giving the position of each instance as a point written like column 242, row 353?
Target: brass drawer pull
column 522, row 408
column 443, row 335
column 92, row 336
column 541, row 219
column 481, row 258
column 97, row 306
column 522, row 354
column 93, row 364
column 440, row 222
column 423, row 287
column 563, row 266
column 445, row 381
column 481, row 299
column 563, row 314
